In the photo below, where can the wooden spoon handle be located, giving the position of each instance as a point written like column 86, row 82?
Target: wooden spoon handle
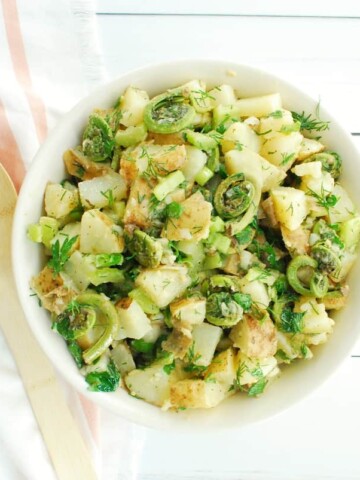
column 65, row 445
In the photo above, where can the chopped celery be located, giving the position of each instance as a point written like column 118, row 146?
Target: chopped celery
column 144, row 301
column 106, row 275
column 220, row 242
column 350, row 233
column 217, row 225
column 131, row 135
column 213, row 261
column 200, row 140
column 204, row 176
column 44, row 231
column 168, row 184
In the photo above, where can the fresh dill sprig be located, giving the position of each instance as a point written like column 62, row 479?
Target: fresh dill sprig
column 61, row 253
column 309, row 123
column 325, row 199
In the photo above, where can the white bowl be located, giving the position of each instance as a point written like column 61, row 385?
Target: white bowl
column 296, row 381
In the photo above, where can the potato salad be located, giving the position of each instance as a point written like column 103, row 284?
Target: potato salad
column 198, row 244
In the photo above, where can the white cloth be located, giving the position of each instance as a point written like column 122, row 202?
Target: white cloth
column 49, row 59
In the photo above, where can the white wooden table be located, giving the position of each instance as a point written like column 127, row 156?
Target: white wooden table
column 317, row 46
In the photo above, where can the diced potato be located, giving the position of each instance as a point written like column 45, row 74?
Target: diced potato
column 102, row 191
column 188, row 311
column 322, row 185
column 282, row 150
column 54, row 292
column 275, row 123
column 222, row 95
column 193, row 249
column 247, row 366
column 157, row 329
column 80, row 270
column 344, row 208
column 133, row 322
column 59, row 201
column 347, row 261
column 312, row 169
column 223, row 368
column 257, row 290
column 255, row 338
column 268, row 207
column 157, row 159
column 316, row 319
column 258, row 106
column 132, row 106
column 247, row 161
column 137, row 210
column 80, row 166
column 151, row 384
column 178, row 342
column 164, row 284
column 193, row 223
column 238, row 135
column 296, row 241
column 192, row 393
column 99, row 234
column 121, row 356
column 309, row 147
column 195, row 161
column 166, row 138
column 205, row 338
column 290, row 206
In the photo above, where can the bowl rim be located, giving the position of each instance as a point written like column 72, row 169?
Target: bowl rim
column 101, row 399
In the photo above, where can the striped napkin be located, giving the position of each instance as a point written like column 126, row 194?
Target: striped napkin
column 49, row 59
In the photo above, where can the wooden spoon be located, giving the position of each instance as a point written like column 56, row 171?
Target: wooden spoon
column 65, row 445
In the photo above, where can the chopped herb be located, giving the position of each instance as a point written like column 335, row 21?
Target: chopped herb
column 307, row 122
column 258, row 387
column 169, row 367
column 276, row 114
column 61, row 253
column 294, row 127
column 141, row 346
column 107, row 381
column 244, row 300
column 291, row 322
column 109, row 195
column 286, row 158
column 325, row 199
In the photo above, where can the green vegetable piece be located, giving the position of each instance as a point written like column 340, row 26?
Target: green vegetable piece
column 204, row 176
column 106, row 275
column 245, row 237
column 350, row 233
column 76, row 353
column 34, row 233
column 217, row 225
column 44, row 231
column 168, row 184
column 168, row 113
column 222, row 310
column 141, row 346
column 147, row 251
column 98, row 141
column 108, row 260
column 213, row 261
column 173, row 210
column 331, row 162
column 213, row 162
column 318, row 282
column 131, row 136
column 220, row 242
column 144, row 301
column 244, row 300
column 107, row 381
column 233, row 196
column 75, row 321
column 200, row 140
column 327, row 259
column 108, row 316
